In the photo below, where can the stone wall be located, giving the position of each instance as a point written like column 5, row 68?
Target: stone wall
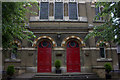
column 89, row 54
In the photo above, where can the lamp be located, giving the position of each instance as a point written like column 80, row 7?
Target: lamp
column 58, row 35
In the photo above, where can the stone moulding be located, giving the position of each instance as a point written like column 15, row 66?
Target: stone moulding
column 44, row 37
column 51, row 18
column 104, row 60
column 70, row 37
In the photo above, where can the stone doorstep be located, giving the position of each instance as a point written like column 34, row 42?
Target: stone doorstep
column 54, row 76
column 85, row 76
column 66, row 75
column 74, row 73
column 26, row 75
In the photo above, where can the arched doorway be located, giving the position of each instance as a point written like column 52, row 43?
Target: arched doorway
column 73, row 56
column 44, row 56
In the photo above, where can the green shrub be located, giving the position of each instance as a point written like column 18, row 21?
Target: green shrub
column 10, row 70
column 57, row 64
column 108, row 67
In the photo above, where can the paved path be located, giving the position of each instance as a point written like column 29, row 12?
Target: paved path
column 46, row 76
column 30, row 76
column 26, row 75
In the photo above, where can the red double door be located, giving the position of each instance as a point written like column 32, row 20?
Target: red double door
column 44, row 57
column 73, row 57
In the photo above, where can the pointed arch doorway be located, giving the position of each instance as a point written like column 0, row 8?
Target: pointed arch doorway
column 44, row 56
column 73, row 56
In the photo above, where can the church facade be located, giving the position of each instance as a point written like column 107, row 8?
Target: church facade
column 60, row 28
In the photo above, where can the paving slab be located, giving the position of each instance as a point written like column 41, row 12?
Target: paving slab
column 26, row 75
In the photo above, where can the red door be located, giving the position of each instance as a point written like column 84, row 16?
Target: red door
column 73, row 57
column 44, row 57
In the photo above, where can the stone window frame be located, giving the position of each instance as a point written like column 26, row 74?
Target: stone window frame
column 77, row 2
column 102, row 44
column 16, row 59
column 18, row 44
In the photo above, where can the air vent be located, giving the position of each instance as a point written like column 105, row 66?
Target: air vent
column 58, row 0
column 72, row 0
column 118, row 48
column 44, row 0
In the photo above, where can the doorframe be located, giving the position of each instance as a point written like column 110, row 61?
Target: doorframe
column 72, row 39
column 37, row 53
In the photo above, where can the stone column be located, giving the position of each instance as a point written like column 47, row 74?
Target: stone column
column 92, row 51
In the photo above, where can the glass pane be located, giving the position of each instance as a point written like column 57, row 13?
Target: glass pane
column 44, row 43
column 58, row 10
column 44, row 10
column 13, row 56
column 77, row 45
column 49, row 45
column 102, row 52
column 97, row 10
column 40, row 46
column 73, row 10
column 68, row 45
column 72, row 44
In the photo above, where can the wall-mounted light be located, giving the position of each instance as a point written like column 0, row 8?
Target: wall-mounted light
column 58, row 35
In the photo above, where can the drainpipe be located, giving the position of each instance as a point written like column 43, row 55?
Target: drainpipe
column 118, row 52
column 118, row 48
column 118, row 45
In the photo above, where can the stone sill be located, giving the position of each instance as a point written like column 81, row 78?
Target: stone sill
column 20, row 68
column 27, row 48
column 59, row 49
column 98, row 67
column 104, row 60
column 59, row 21
column 51, row 19
column 13, row 60
column 93, row 6
column 98, row 21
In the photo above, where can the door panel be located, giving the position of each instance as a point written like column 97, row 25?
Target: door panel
column 44, row 57
column 73, row 57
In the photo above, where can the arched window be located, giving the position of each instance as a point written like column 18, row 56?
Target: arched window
column 44, row 44
column 102, row 45
column 102, row 52
column 14, row 51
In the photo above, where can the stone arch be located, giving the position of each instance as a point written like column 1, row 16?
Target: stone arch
column 17, row 42
column 72, row 37
column 101, row 41
column 44, row 37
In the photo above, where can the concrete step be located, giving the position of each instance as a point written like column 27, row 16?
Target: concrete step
column 63, row 74
column 75, row 76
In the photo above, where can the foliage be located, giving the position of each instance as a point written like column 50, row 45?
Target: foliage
column 108, row 67
column 102, row 44
column 110, row 29
column 57, row 64
column 10, row 70
column 14, row 22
